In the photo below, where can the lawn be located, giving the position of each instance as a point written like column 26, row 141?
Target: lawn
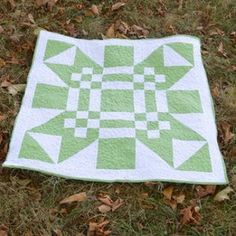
column 30, row 203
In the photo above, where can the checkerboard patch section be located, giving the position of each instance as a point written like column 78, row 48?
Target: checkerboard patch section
column 118, row 103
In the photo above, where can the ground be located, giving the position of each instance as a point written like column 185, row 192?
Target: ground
column 30, row 202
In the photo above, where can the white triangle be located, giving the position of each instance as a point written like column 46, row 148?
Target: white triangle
column 84, row 161
column 148, row 161
column 50, row 144
column 66, row 57
column 172, row 58
column 183, row 150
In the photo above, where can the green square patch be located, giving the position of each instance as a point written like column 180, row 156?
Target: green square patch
column 138, row 86
column 117, row 100
column 94, row 115
column 96, row 85
column 118, row 56
column 81, row 122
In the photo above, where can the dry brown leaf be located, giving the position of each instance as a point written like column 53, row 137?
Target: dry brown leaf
column 1, row 29
column 111, row 32
column 98, row 229
column 23, row 182
column 104, row 208
column 79, row 197
column 171, row 202
column 106, row 200
column 226, row 132
column 180, row 198
column 48, row 3
column 3, row 233
column 117, row 204
column 3, row 230
column 31, row 18
column 221, row 50
column 13, row 89
column 95, row 10
column 167, row 192
column 41, row 2
column 117, row 6
column 139, row 31
column 2, row 62
column 205, row 191
column 217, row 31
column 52, row 214
column 223, row 195
column 190, row 215
column 12, row 3
column 216, row 92
column 57, row 232
column 122, row 27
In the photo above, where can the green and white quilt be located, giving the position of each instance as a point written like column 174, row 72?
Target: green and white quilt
column 118, row 110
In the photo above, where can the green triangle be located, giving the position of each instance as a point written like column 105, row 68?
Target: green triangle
column 30, row 149
column 200, row 161
column 184, row 49
column 55, row 47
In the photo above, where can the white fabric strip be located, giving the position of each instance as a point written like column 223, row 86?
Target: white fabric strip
column 118, row 70
column 161, row 101
column 117, row 116
column 95, row 100
column 139, row 101
column 117, row 133
column 73, row 99
column 117, row 85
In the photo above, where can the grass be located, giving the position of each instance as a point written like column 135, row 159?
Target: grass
column 29, row 201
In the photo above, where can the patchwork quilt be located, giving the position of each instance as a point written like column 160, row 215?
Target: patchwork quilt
column 118, row 110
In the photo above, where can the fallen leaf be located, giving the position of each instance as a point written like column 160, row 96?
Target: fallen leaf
column 225, row 129
column 92, row 228
column 223, row 195
column 167, row 192
column 1, row 29
column 95, row 10
column 217, row 31
column 79, row 197
column 13, row 89
column 180, row 198
column 216, row 92
column 171, row 202
column 205, row 191
column 12, row 3
column 31, row 18
column 117, row 6
column 23, row 182
column 57, row 232
column 98, row 229
column 117, row 204
column 106, row 200
column 139, row 31
column 2, row 63
column 49, row 3
column 104, row 208
column 41, row 2
column 122, row 27
column 111, row 32
column 190, row 215
column 3, row 230
column 5, row 84
column 52, row 214
column 15, row 38
column 221, row 51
